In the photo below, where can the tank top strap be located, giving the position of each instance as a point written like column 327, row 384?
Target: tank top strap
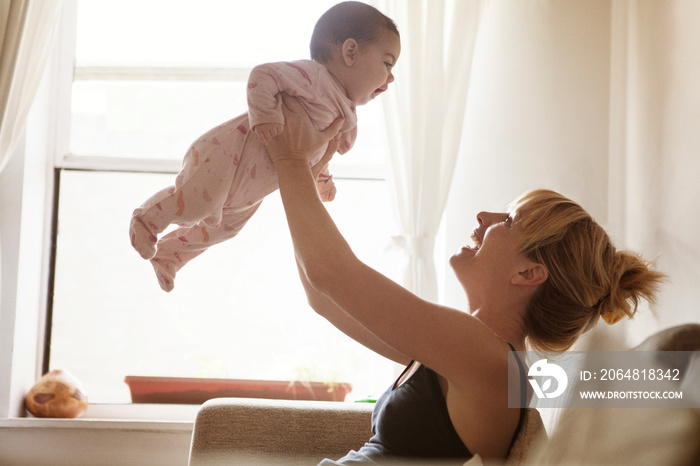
column 523, row 394
column 523, row 380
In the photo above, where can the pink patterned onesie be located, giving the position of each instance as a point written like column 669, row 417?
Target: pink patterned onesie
column 226, row 172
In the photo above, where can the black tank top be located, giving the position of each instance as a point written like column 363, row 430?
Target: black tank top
column 412, row 420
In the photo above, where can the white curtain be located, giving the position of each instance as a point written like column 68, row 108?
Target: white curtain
column 424, row 113
column 26, row 29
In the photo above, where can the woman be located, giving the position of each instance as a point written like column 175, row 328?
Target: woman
column 543, row 273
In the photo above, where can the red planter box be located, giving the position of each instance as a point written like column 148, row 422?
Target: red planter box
column 179, row 390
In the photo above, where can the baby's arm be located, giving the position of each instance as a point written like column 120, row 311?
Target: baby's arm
column 265, row 84
column 347, row 140
column 266, row 131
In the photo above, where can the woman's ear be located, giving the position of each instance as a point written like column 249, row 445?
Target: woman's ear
column 530, row 274
column 349, row 51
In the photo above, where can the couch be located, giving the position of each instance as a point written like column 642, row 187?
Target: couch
column 248, row 431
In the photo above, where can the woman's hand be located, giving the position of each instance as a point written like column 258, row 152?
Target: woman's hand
column 300, row 139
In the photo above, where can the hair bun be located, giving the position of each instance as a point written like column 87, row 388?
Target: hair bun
column 631, row 280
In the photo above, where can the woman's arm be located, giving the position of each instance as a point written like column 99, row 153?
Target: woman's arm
column 347, row 324
column 449, row 341
column 332, row 312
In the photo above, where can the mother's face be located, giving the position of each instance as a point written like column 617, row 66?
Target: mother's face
column 490, row 264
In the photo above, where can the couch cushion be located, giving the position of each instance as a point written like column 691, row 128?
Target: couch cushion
column 257, row 431
column 623, row 436
column 632, row 436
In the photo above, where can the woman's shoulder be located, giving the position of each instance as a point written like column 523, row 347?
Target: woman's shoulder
column 463, row 349
column 486, row 371
column 479, row 404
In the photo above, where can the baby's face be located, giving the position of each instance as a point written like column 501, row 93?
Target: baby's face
column 373, row 71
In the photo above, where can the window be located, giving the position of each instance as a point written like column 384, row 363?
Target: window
column 150, row 76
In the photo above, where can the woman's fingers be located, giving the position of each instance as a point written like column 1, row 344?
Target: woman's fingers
column 300, row 139
column 291, row 105
column 327, row 156
column 334, row 129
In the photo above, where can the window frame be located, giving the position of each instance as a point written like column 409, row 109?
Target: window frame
column 63, row 74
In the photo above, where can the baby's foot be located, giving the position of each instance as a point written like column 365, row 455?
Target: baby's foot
column 165, row 271
column 142, row 239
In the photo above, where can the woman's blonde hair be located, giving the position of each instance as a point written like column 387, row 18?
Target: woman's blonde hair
column 588, row 277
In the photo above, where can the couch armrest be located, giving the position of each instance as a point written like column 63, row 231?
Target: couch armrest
column 261, row 431
column 685, row 337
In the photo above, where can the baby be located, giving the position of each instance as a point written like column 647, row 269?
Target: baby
column 226, row 172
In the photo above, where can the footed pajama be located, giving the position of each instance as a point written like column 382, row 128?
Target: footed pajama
column 226, row 173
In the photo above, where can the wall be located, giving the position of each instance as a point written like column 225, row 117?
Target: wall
column 598, row 100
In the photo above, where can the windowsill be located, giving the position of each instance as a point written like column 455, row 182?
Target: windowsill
column 160, row 433
column 97, row 424
column 99, row 416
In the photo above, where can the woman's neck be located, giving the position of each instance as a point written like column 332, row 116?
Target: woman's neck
column 509, row 326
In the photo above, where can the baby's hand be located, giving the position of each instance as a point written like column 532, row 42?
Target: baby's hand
column 326, row 189
column 267, row 131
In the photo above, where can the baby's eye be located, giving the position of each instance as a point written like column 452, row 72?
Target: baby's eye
column 388, row 65
column 508, row 220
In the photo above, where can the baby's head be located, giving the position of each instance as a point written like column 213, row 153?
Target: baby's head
column 348, row 20
column 356, row 42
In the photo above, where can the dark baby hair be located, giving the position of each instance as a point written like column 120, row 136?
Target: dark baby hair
column 347, row 20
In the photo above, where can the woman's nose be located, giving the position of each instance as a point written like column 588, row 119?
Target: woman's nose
column 486, row 218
